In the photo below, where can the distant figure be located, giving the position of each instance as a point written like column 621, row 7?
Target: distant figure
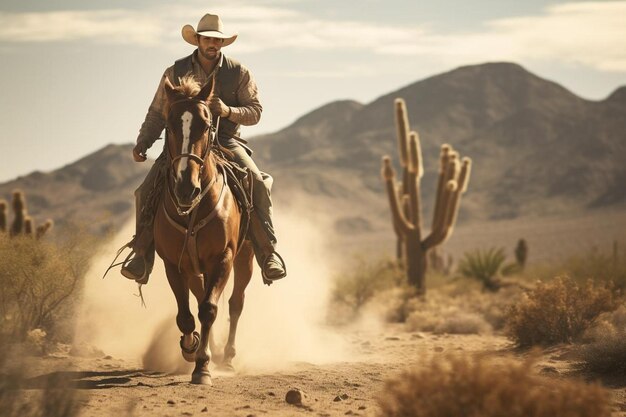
column 236, row 102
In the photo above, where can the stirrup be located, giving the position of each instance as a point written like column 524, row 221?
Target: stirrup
column 266, row 279
column 144, row 278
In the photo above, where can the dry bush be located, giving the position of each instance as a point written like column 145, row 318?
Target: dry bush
column 461, row 309
column 605, row 352
column 593, row 264
column 441, row 313
column 39, row 283
column 365, row 279
column 481, row 387
column 379, row 288
column 394, row 304
column 558, row 311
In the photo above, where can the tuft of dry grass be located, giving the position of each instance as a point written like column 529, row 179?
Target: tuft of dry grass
column 461, row 309
column 605, row 352
column 593, row 264
column 365, row 279
column 466, row 386
column 558, row 311
column 450, row 319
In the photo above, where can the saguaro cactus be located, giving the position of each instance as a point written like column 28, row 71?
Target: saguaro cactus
column 406, row 207
column 22, row 222
column 3, row 216
column 19, row 213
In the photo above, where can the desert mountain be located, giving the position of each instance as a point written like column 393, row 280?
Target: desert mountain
column 537, row 148
column 95, row 191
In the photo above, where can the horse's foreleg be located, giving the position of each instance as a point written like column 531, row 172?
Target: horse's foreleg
column 243, row 272
column 207, row 313
column 184, row 319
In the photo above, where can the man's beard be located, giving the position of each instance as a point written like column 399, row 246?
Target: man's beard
column 210, row 54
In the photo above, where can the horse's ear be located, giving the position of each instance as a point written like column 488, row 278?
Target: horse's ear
column 170, row 90
column 206, row 91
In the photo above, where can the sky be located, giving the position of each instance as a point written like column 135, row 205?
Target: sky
column 76, row 75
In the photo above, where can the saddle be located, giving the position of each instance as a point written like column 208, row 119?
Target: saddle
column 240, row 183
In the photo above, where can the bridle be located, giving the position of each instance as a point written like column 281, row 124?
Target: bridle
column 200, row 160
column 212, row 133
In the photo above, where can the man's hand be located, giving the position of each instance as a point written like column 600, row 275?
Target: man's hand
column 218, row 107
column 139, row 153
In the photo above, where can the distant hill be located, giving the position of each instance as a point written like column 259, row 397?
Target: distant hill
column 537, row 148
column 95, row 191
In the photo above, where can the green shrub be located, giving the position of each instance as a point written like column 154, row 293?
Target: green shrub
column 466, row 386
column 558, row 311
column 486, row 266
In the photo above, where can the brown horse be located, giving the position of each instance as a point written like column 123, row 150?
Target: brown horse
column 196, row 227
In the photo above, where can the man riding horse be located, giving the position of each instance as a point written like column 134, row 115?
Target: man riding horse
column 236, row 102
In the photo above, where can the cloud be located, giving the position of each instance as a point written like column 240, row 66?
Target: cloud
column 590, row 34
column 103, row 26
column 584, row 33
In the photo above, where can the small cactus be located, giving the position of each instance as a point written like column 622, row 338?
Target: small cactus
column 28, row 225
column 521, row 253
column 42, row 229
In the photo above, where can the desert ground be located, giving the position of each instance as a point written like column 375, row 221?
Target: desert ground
column 110, row 386
column 126, row 361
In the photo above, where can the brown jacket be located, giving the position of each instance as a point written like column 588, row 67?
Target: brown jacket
column 245, row 108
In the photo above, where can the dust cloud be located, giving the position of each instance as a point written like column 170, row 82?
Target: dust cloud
column 281, row 324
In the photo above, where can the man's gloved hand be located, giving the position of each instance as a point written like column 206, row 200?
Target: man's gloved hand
column 218, row 107
column 139, row 153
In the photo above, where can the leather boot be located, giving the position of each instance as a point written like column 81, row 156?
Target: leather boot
column 274, row 267
column 272, row 264
column 140, row 266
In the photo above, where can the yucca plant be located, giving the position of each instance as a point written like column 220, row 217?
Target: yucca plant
column 486, row 266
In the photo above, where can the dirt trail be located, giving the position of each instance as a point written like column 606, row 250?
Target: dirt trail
column 115, row 386
column 112, row 386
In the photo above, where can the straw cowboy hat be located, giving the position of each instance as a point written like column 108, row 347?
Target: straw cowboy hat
column 211, row 26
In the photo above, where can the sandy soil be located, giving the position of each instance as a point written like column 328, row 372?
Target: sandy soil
column 115, row 386
column 112, row 386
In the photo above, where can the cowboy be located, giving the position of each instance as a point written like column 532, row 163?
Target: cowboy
column 236, row 103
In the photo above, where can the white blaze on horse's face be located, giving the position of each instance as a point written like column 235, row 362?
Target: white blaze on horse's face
column 182, row 165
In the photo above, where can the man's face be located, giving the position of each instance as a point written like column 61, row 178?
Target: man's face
column 209, row 47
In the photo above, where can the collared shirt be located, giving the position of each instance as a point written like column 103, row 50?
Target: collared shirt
column 247, row 114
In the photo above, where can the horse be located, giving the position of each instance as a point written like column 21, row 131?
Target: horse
column 197, row 226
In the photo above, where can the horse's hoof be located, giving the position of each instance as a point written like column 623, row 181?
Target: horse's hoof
column 189, row 354
column 201, row 378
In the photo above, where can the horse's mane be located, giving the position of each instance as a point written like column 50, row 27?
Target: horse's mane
column 189, row 86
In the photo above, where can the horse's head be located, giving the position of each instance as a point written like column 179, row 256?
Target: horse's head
column 188, row 137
